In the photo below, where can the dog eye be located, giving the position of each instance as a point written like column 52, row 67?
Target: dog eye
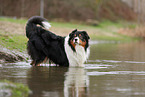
column 80, row 36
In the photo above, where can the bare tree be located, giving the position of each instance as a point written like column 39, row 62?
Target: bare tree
column 42, row 8
column 22, row 7
column 139, row 11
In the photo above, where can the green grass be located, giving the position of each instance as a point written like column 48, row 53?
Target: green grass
column 121, row 38
column 14, row 42
column 69, row 25
column 106, row 30
column 15, row 89
column 13, row 20
column 102, row 30
column 107, row 23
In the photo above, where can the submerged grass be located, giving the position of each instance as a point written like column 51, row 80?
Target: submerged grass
column 14, row 89
column 105, row 30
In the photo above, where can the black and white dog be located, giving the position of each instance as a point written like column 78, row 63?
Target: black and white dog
column 72, row 50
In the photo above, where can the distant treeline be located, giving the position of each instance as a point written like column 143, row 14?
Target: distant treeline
column 69, row 9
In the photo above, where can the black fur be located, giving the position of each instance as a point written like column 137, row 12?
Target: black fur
column 43, row 43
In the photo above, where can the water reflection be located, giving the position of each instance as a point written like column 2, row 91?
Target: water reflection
column 46, row 81
column 76, row 83
column 50, row 81
column 113, row 70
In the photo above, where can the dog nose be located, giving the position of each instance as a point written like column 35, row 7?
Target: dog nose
column 76, row 40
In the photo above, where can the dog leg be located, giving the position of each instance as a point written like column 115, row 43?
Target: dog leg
column 38, row 64
column 32, row 63
column 45, row 60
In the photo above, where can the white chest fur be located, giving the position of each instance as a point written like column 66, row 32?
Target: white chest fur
column 76, row 59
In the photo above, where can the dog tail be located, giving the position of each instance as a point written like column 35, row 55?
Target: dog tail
column 32, row 23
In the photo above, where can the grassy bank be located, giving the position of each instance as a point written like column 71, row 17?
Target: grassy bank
column 11, row 42
column 12, row 31
column 12, row 34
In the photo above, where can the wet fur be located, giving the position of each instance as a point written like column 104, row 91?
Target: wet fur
column 44, row 45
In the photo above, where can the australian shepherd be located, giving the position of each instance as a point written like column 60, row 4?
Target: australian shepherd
column 43, row 45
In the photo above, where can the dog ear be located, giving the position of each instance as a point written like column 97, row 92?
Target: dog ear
column 86, row 35
column 72, row 33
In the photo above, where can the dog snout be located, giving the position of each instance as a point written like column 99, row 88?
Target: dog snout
column 76, row 40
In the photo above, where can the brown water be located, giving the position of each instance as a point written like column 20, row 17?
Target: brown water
column 113, row 70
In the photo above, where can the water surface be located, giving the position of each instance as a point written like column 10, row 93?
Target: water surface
column 113, row 70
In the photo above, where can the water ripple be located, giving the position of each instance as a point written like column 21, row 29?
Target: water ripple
column 115, row 61
column 96, row 66
column 97, row 73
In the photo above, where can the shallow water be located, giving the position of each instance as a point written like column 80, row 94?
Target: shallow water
column 113, row 70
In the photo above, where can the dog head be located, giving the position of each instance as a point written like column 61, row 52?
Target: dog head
column 78, row 38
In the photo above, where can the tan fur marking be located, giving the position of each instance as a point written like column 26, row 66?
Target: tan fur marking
column 38, row 64
column 33, row 63
column 44, row 61
column 83, row 44
column 72, row 43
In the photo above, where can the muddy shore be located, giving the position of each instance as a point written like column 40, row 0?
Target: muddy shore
column 8, row 56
